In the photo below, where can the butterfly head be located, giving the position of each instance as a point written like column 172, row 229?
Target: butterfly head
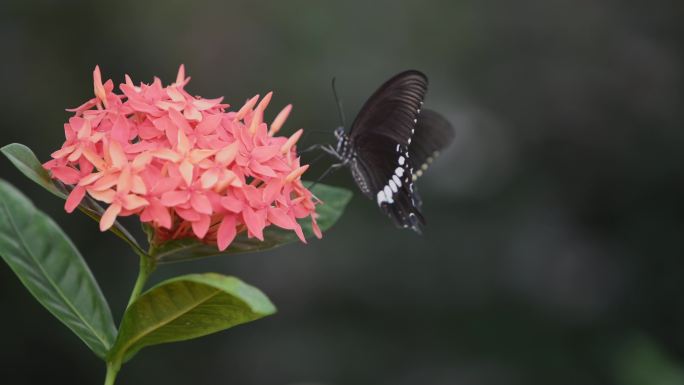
column 341, row 137
column 339, row 133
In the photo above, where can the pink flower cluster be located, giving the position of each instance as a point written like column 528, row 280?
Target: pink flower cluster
column 184, row 164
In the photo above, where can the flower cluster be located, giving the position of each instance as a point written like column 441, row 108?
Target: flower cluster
column 185, row 165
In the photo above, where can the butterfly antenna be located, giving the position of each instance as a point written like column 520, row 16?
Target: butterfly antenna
column 340, row 110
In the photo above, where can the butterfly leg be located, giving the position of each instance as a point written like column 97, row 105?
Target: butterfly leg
column 328, row 149
column 316, row 159
column 330, row 170
column 311, row 148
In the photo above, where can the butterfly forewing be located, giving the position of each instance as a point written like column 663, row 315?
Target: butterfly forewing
column 380, row 137
column 392, row 109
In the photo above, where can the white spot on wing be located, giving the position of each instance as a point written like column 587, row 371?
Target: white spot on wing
column 393, row 186
column 381, row 197
column 401, row 160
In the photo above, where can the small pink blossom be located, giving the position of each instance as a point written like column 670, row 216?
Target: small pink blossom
column 185, row 165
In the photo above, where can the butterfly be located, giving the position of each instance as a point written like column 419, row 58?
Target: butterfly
column 391, row 143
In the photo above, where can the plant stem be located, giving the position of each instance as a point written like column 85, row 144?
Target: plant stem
column 112, row 371
column 147, row 266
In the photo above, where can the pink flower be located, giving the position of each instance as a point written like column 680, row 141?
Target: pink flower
column 185, row 165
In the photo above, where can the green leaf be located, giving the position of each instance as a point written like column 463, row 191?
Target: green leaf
column 52, row 269
column 334, row 199
column 640, row 359
column 187, row 307
column 25, row 160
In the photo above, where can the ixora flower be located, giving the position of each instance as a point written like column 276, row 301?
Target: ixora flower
column 204, row 180
column 187, row 166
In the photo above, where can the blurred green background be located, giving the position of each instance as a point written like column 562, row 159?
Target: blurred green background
column 553, row 252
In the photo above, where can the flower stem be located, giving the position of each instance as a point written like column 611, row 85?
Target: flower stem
column 112, row 371
column 147, row 266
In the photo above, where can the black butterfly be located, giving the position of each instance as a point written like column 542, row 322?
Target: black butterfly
column 391, row 143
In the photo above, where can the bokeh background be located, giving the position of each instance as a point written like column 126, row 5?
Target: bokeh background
column 555, row 244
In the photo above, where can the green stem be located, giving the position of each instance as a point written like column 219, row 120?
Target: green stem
column 112, row 371
column 147, row 266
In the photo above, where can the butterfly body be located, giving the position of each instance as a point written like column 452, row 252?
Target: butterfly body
column 391, row 143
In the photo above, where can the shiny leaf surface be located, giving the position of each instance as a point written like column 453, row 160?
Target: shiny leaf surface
column 52, row 269
column 187, row 307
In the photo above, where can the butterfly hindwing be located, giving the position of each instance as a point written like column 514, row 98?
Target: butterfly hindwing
column 433, row 133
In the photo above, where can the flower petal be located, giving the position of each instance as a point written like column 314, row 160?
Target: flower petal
column 264, row 153
column 246, row 108
column 201, row 203
column 232, row 204
column 261, row 169
column 167, row 154
column 296, row 173
column 117, row 156
column 209, row 178
column 315, row 228
column 65, row 174
column 74, row 199
column 227, row 154
column 189, row 215
column 196, row 156
column 106, row 196
column 64, row 151
column 133, row 202
column 279, row 120
column 186, row 170
column 291, row 141
column 121, row 129
column 107, row 181
column 255, row 222
column 279, row 217
column 109, row 216
column 201, row 226
column 98, row 87
column 160, row 214
column 180, row 78
column 209, row 124
column 175, row 198
column 226, row 232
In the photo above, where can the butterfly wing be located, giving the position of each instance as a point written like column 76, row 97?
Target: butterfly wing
column 380, row 137
column 433, row 134
column 391, row 111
